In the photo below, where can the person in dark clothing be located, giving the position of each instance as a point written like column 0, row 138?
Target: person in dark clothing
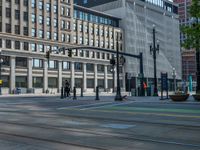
column 67, row 88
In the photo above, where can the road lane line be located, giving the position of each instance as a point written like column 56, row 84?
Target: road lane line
column 115, row 104
column 85, row 105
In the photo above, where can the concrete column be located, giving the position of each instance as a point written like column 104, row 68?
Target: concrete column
column 72, row 75
column 30, row 77
column 12, row 74
column 59, row 75
column 105, row 77
column 45, row 76
column 84, row 77
column 95, row 77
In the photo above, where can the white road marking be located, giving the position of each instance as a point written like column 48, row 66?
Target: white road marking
column 85, row 105
column 115, row 104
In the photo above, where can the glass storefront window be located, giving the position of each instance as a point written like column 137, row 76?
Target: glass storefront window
column 38, row 82
column 21, row 81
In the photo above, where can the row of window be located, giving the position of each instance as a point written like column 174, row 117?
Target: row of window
column 94, row 18
column 53, row 64
column 37, row 82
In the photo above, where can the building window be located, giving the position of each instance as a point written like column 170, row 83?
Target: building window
column 66, row 65
column 101, row 83
column 100, row 68
column 48, row 20
column 17, row 44
column 25, row 2
column 55, row 36
column 55, row 23
column 78, row 82
column 63, row 37
column 33, row 18
column 33, row 33
column 48, row 7
column 21, row 81
column 40, row 5
column 8, row 12
column 52, row 82
column 33, row 47
column 33, row 4
column 8, row 28
column 26, row 46
column 90, row 83
column 17, row 14
column 38, row 82
column 26, row 31
column 0, row 42
column 17, row 29
column 25, row 16
column 68, row 12
column 41, row 48
column 37, row 63
column 8, row 43
column 41, row 34
column 90, row 67
column 6, row 60
column 62, row 10
column 53, row 64
column 62, row 24
column 68, row 25
column 21, row 62
column 48, row 35
column 55, row 9
column 40, row 19
column 78, row 66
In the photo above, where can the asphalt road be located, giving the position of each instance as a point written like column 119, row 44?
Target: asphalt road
column 49, row 123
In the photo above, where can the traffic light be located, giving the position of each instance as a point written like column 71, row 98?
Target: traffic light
column 69, row 53
column 112, row 62
column 48, row 54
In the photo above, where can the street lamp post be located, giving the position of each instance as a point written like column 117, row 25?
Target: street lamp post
column 118, row 93
column 153, row 51
column 174, row 78
column 1, row 61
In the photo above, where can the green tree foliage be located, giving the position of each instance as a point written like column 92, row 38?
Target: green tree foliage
column 192, row 32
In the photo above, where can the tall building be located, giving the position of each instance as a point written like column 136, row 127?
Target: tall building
column 137, row 20
column 184, row 16
column 30, row 28
column 188, row 56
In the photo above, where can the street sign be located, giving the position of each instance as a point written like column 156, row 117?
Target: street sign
column 1, row 82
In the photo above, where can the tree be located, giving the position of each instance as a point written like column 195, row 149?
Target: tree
column 192, row 33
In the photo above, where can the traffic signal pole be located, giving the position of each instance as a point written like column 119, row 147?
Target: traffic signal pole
column 140, row 57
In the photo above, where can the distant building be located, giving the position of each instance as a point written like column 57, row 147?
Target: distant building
column 137, row 20
column 189, row 64
column 30, row 28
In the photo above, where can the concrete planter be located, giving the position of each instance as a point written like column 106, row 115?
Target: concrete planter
column 196, row 97
column 179, row 97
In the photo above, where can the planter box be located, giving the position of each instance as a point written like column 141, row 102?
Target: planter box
column 196, row 97
column 179, row 98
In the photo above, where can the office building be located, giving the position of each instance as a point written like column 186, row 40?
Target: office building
column 137, row 20
column 30, row 28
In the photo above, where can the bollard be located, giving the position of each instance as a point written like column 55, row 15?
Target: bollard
column 74, row 98
column 97, row 93
column 62, row 94
column 81, row 92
